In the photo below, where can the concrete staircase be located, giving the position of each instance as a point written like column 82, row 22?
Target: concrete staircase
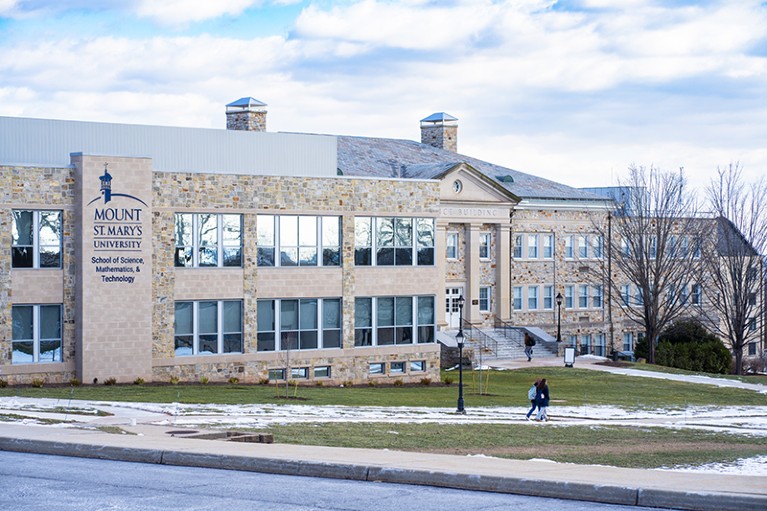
column 508, row 344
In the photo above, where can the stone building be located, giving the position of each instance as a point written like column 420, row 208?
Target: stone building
column 156, row 253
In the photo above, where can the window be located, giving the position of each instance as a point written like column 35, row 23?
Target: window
column 397, row 368
column 484, row 245
column 36, row 334
column 751, row 324
column 393, row 321
column 751, row 349
column 583, row 246
column 208, row 327
column 322, row 372
column 390, row 241
column 696, row 248
column 517, row 300
column 291, row 240
column 569, row 296
column 626, row 294
column 572, row 340
column 532, row 297
column 653, row 249
column 599, row 345
column 36, row 239
column 597, row 247
column 752, row 298
column 208, row 240
column 548, row 297
column 583, row 296
column 452, row 245
column 569, row 246
column 585, row 344
column 597, row 297
column 484, row 299
column 625, row 248
column 695, row 294
column 628, row 341
column 639, row 296
column 548, row 246
column 299, row 324
column 299, row 373
column 376, row 368
column 532, row 246
column 517, row 249
column 276, row 374
column 417, row 366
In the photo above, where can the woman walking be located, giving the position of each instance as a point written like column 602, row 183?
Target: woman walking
column 542, row 400
column 531, row 394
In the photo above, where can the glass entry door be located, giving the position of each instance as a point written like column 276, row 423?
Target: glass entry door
column 452, row 313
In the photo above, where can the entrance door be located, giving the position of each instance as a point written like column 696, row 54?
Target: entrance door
column 452, row 313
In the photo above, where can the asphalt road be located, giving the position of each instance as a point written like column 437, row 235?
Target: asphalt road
column 40, row 482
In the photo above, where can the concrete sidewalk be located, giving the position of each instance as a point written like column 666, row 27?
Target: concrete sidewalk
column 171, row 446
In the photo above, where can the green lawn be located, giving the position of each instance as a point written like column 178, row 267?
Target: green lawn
column 752, row 378
column 569, row 387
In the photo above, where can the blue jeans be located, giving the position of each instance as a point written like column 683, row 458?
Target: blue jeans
column 532, row 402
column 529, row 351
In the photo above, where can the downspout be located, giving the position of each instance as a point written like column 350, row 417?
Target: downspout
column 610, row 278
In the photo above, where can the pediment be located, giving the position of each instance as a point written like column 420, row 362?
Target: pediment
column 463, row 184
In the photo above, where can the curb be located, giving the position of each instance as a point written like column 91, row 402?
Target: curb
column 608, row 494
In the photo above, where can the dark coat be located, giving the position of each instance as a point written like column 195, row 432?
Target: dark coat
column 542, row 397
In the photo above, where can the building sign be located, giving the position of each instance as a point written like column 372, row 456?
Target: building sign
column 473, row 212
column 117, row 234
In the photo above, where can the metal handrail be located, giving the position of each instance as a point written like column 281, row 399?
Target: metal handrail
column 485, row 341
column 505, row 326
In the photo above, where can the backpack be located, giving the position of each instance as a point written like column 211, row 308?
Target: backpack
column 531, row 393
column 532, row 342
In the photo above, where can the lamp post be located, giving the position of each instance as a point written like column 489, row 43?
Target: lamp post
column 459, row 339
column 559, row 317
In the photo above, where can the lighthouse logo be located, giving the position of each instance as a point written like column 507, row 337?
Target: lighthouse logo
column 106, row 189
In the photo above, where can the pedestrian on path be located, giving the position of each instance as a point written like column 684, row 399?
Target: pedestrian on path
column 529, row 343
column 542, row 400
column 531, row 396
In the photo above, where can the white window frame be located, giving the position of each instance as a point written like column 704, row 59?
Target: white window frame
column 319, row 243
column 37, row 244
column 628, row 341
column 517, row 300
column 548, row 297
column 451, row 245
column 197, row 246
column 548, row 246
column 220, row 333
column 532, row 298
column 583, row 246
column 485, row 240
column 583, row 296
column 626, row 294
column 415, row 243
column 416, row 323
column 597, row 297
column 532, row 246
column 36, row 339
column 569, row 296
column 517, row 246
column 569, row 240
column 319, row 320
column 486, row 300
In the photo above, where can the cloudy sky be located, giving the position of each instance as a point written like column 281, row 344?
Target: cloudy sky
column 571, row 90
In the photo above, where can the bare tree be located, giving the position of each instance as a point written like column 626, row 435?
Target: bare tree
column 735, row 270
column 653, row 248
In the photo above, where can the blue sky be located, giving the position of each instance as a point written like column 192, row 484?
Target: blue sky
column 571, row 90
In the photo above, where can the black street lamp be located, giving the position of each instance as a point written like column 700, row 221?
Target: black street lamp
column 459, row 339
column 559, row 317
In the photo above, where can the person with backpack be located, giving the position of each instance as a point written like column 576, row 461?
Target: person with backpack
column 531, row 396
column 529, row 343
column 542, row 400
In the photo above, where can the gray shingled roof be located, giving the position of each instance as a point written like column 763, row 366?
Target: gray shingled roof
column 385, row 157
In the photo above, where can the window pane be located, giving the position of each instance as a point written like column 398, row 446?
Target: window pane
column 22, row 257
column 50, row 351
column 385, row 232
column 418, row 366
column 183, row 345
column 288, row 231
column 322, row 372
column 232, row 229
column 385, row 312
column 403, row 256
column 265, row 228
column 362, row 232
column 232, row 316
column 207, row 320
column 289, row 340
column 385, row 336
column 22, row 322
column 183, row 229
column 425, row 232
column 50, row 257
column 308, row 314
column 208, row 229
column 426, row 256
column 404, row 306
column 208, row 344
column 331, row 338
column 289, row 315
column 331, row 231
column 289, row 256
column 403, row 236
column 425, row 310
column 50, row 228
column 362, row 256
column 232, row 256
column 331, row 257
column 363, row 312
column 404, row 335
column 308, row 340
column 266, row 341
column 183, row 319
column 22, row 228
column 265, row 311
column 265, row 256
column 307, row 229
column 331, row 313
column 233, row 343
column 308, row 256
column 425, row 334
column 50, row 322
column 23, row 353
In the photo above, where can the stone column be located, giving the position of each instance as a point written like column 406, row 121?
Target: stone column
column 440, row 260
column 471, row 308
column 503, row 272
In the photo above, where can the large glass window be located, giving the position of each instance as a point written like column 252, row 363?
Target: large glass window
column 299, row 324
column 36, row 334
column 396, row 241
column 599, row 345
column 36, row 239
column 208, row 240
column 532, row 246
column 298, row 240
column 548, row 246
column 389, row 320
column 208, row 327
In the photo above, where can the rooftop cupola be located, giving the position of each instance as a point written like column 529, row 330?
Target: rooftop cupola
column 440, row 130
column 246, row 114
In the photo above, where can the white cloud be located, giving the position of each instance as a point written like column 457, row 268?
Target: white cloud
column 181, row 12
